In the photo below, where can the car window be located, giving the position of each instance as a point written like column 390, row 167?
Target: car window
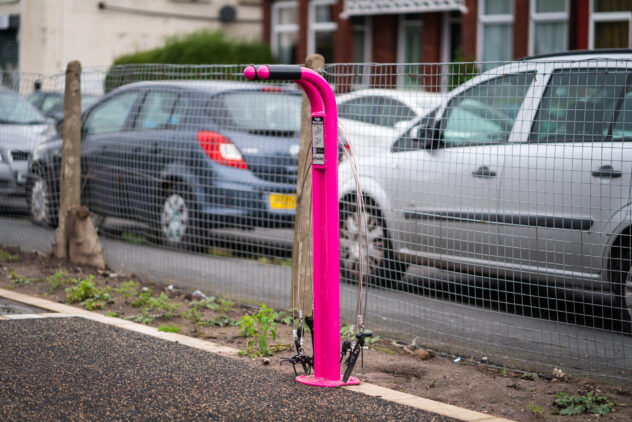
column 389, row 112
column 414, row 138
column 622, row 127
column 157, row 110
column 578, row 104
column 15, row 110
column 235, row 110
column 111, row 115
column 376, row 110
column 53, row 104
column 358, row 109
column 485, row 113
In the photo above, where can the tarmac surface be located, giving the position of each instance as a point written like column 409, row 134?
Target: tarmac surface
column 76, row 369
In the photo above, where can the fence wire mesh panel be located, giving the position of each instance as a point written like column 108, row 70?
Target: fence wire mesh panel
column 498, row 213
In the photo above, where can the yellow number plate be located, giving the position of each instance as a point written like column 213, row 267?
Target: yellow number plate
column 279, row 201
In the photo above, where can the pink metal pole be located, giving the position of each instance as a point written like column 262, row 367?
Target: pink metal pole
column 325, row 219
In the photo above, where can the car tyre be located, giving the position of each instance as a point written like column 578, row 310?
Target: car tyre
column 621, row 274
column 41, row 204
column 383, row 268
column 178, row 226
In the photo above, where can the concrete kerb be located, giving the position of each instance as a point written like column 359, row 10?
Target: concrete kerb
column 60, row 310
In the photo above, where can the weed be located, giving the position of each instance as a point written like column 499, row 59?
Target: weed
column 86, row 293
column 128, row 290
column 133, row 238
column 160, row 303
column 143, row 299
column 7, row 257
column 112, row 314
column 225, row 253
column 19, row 280
column 221, row 321
column 385, row 350
column 504, row 371
column 58, row 278
column 225, row 305
column 193, row 315
column 144, row 317
column 531, row 376
column 208, row 303
column 286, row 317
column 536, row 410
column 173, row 328
column 284, row 262
column 256, row 328
column 572, row 404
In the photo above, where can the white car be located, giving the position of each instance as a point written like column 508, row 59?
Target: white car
column 370, row 118
column 522, row 173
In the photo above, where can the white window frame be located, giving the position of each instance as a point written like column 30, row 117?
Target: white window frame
column 401, row 50
column 607, row 17
column 484, row 19
column 314, row 26
column 535, row 18
column 278, row 29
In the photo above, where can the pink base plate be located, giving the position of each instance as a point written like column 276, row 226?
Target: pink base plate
column 322, row 382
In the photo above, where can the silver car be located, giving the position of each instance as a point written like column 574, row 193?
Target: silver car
column 523, row 173
column 21, row 127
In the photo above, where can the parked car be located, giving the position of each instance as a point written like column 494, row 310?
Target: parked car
column 182, row 157
column 523, row 173
column 51, row 103
column 372, row 117
column 21, row 127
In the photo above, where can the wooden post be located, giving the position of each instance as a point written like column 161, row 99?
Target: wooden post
column 70, row 186
column 302, row 264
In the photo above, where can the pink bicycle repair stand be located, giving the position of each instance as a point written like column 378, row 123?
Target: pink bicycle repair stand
column 325, row 218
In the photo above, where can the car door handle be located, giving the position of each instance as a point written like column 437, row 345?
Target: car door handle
column 484, row 171
column 607, row 171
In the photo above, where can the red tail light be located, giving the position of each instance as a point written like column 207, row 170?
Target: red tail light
column 220, row 149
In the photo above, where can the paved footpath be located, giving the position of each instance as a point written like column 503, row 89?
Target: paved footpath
column 77, row 365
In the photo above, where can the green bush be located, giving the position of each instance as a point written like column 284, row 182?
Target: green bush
column 198, row 48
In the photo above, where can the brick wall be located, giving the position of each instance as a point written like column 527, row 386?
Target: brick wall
column 469, row 29
column 521, row 29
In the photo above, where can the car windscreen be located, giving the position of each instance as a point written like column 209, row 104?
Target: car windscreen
column 258, row 112
column 15, row 110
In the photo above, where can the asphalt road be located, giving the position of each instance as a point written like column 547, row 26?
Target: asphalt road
column 463, row 320
column 75, row 369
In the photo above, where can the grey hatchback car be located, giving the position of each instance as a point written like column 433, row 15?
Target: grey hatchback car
column 22, row 126
column 182, row 157
column 523, row 173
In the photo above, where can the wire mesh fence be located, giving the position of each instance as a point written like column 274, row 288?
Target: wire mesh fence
column 498, row 203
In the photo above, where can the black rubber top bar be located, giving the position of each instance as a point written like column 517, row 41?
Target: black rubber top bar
column 284, row 72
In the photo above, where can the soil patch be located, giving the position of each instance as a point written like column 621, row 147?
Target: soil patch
column 467, row 383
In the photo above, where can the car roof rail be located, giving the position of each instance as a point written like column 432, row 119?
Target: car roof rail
column 579, row 53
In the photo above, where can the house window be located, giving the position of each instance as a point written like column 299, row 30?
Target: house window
column 321, row 29
column 549, row 26
column 495, row 43
column 361, row 54
column 610, row 24
column 409, row 50
column 285, row 31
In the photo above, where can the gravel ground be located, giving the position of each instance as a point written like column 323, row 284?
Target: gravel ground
column 74, row 369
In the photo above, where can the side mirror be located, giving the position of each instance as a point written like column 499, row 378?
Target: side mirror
column 427, row 137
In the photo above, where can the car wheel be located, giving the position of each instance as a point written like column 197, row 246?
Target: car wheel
column 621, row 275
column 177, row 218
column 41, row 203
column 381, row 267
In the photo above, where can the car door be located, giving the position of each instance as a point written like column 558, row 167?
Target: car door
column 103, row 164
column 152, row 147
column 566, row 180
column 450, row 186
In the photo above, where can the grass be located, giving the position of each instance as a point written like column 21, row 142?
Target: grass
column 173, row 328
column 535, row 410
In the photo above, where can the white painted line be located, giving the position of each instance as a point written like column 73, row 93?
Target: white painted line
column 208, row 346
